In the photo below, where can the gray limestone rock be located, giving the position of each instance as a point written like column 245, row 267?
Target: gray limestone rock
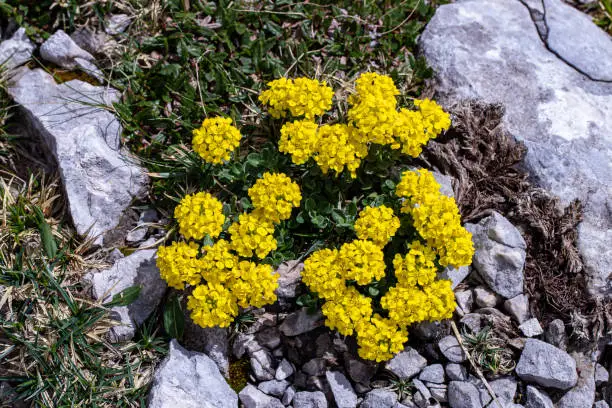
column 465, row 301
column 531, row 327
column 484, row 297
column 84, row 138
column 275, row 388
column 344, row 394
column 601, row 375
column 504, row 388
column 290, row 276
column 262, row 365
column 491, row 51
column 309, row 399
column 456, row 372
column 546, row 365
column 61, row 50
column 463, row 395
column 301, row 322
column 535, row 398
column 213, row 341
column 500, row 254
column 518, row 307
column 555, row 334
column 379, row 398
column 117, row 23
column 189, row 380
column 284, row 370
column 433, row 374
column 137, row 269
column 449, row 346
column 583, row 394
column 406, row 364
column 17, row 50
column 252, row 397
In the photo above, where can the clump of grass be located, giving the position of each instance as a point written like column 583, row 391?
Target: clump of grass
column 489, row 351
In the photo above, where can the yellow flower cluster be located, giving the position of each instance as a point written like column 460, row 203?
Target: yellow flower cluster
column 436, row 217
column 274, row 196
column 199, row 215
column 179, row 264
column 252, row 235
column 377, row 224
column 300, row 97
column 229, row 282
column 337, row 275
column 372, row 119
column 216, row 139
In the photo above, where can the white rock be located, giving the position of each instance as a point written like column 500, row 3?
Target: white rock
column 456, row 372
column 379, row 398
column 17, row 50
column 546, row 365
column 456, row 275
column 290, row 276
column 518, row 307
column 189, row 380
column 484, row 297
column 301, row 322
column 463, row 395
column 117, row 23
column 601, row 375
column 500, row 254
column 137, row 269
column 504, row 388
column 406, row 364
column 433, row 373
column 307, row 399
column 601, row 404
column 285, row 370
column 100, row 180
column 344, row 394
column 583, row 394
column 449, row 346
column 251, row 397
column 261, row 365
column 490, row 50
column 288, row 396
column 213, row 341
column 465, row 301
column 537, row 399
column 275, row 388
column 61, row 50
column 531, row 327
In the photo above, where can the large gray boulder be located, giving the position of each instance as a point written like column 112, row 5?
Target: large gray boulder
column 73, row 120
column 190, row 380
column 499, row 255
column 557, row 97
column 137, row 269
column 17, row 50
column 546, row 365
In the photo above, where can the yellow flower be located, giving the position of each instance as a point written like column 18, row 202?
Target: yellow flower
column 380, row 339
column 274, row 196
column 416, row 267
column 252, row 235
column 435, row 120
column 322, row 274
column 301, row 97
column 178, row 264
column 212, row 305
column 338, row 149
column 253, row 284
column 406, row 305
column 373, row 111
column 410, row 132
column 440, row 300
column 299, row 139
column 362, row 261
column 216, row 139
column 436, row 217
column 377, row 224
column 345, row 312
column 199, row 215
column 218, row 262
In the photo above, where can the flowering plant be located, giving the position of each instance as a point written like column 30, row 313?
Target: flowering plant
column 373, row 245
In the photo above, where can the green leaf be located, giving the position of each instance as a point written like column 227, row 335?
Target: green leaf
column 46, row 234
column 174, row 319
column 126, row 297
